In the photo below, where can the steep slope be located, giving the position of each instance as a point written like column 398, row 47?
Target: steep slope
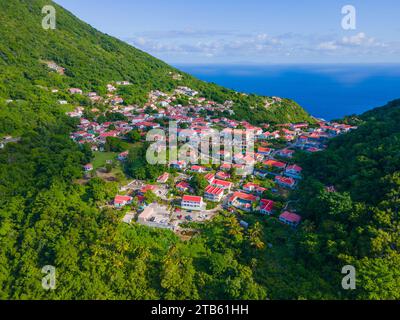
column 92, row 59
column 359, row 224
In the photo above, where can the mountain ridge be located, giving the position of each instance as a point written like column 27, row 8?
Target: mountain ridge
column 92, row 59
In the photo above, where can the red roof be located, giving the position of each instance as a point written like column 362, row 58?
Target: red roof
column 192, row 199
column 267, row 205
column 286, row 151
column 147, row 124
column 243, row 196
column 285, row 180
column 223, row 175
column 109, row 134
column 294, row 168
column 214, row 190
column 147, row 188
column 264, row 150
column 226, row 166
column 122, row 199
column 274, row 163
column 209, row 176
column 291, row 217
column 251, row 185
column 197, row 168
column 225, row 184
column 124, row 154
column 183, row 185
column 163, row 177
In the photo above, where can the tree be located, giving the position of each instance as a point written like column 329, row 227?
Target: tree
column 133, row 136
column 198, row 183
column 255, row 235
column 177, row 276
column 150, row 197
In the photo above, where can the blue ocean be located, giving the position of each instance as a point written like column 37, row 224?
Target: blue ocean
column 325, row 91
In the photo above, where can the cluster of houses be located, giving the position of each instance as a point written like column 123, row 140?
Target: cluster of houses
column 261, row 162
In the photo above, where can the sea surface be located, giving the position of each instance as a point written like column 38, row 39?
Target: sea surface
column 325, row 91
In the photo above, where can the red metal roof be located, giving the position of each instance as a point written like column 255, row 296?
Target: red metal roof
column 291, row 217
column 192, row 199
column 214, row 190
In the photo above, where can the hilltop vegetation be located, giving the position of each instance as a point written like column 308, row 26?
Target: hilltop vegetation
column 358, row 224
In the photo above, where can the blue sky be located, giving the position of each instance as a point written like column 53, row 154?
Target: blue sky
column 249, row 31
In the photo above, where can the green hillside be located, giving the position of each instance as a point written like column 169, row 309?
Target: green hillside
column 48, row 217
column 91, row 60
column 359, row 224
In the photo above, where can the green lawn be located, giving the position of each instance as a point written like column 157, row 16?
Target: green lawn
column 100, row 158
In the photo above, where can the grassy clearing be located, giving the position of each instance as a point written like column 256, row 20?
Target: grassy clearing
column 100, row 159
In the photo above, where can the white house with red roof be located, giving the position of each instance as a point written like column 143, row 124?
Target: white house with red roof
column 266, row 206
column 198, row 169
column 275, row 164
column 223, row 175
column 213, row 194
column 265, row 151
column 147, row 188
column 210, row 177
column 163, row 178
column 294, row 171
column 123, row 156
column 192, row 203
column 183, row 186
column 243, row 201
column 254, row 187
column 226, row 167
column 75, row 91
column 285, row 153
column 180, row 165
column 121, row 201
column 285, row 182
column 225, row 185
column 88, row 167
column 289, row 218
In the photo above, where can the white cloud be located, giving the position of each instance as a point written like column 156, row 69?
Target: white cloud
column 360, row 40
column 225, row 45
column 329, row 45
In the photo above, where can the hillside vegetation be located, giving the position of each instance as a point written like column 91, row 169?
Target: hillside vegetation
column 359, row 224
column 91, row 60
column 47, row 218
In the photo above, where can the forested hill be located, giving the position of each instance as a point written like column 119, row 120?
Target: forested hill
column 92, row 59
column 358, row 224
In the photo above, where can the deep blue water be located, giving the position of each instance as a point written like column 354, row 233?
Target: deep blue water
column 326, row 91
